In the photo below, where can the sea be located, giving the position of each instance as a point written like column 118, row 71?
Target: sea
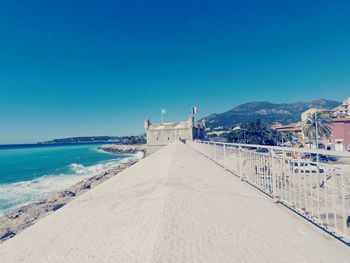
column 29, row 173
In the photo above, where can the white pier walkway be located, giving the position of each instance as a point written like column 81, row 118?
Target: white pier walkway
column 173, row 206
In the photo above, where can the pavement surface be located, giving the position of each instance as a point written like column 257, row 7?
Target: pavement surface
column 173, row 206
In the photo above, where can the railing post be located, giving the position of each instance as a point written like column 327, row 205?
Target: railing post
column 225, row 156
column 215, row 152
column 343, row 201
column 274, row 176
column 335, row 186
column 318, row 188
column 240, row 162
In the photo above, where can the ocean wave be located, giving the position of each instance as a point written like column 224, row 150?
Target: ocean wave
column 14, row 195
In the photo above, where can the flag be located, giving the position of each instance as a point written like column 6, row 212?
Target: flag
column 195, row 110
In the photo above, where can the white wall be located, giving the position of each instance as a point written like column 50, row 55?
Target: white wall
column 162, row 137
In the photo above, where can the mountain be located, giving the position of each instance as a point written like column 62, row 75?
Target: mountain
column 265, row 111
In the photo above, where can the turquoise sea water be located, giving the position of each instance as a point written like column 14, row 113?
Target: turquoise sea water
column 29, row 173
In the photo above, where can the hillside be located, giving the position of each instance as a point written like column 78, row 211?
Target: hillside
column 268, row 112
column 99, row 139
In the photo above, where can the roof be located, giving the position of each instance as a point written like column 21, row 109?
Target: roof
column 288, row 127
column 341, row 120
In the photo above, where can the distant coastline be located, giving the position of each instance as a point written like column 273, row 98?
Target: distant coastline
column 89, row 140
column 140, row 139
column 38, row 145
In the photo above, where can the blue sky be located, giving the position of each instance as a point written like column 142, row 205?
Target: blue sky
column 73, row 68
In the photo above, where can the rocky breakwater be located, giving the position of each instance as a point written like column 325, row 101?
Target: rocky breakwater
column 124, row 149
column 14, row 222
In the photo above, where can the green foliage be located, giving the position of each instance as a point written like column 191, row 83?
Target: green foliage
column 255, row 132
column 287, row 137
column 322, row 121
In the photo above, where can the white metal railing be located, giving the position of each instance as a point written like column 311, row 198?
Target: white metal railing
column 313, row 183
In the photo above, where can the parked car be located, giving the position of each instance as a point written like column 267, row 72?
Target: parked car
column 262, row 150
column 331, row 158
column 307, row 168
column 306, row 156
column 323, row 158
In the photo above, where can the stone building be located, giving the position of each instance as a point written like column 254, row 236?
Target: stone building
column 164, row 133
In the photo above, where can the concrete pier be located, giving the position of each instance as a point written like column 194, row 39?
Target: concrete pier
column 174, row 206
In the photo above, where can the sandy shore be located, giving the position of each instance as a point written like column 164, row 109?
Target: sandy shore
column 14, row 222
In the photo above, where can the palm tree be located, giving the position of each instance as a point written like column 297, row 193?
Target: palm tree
column 321, row 122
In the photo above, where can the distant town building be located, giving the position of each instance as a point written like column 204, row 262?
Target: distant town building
column 340, row 138
column 216, row 133
column 343, row 110
column 294, row 129
column 164, row 133
column 309, row 113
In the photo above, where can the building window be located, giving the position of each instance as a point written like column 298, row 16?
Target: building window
column 157, row 138
column 168, row 138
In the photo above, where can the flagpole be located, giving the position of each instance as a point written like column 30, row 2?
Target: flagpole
column 162, row 112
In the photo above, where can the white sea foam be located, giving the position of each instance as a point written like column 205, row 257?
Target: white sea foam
column 17, row 194
column 139, row 155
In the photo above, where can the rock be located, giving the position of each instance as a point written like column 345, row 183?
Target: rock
column 101, row 176
column 123, row 149
column 57, row 206
column 86, row 185
column 15, row 215
column 7, row 234
column 69, row 193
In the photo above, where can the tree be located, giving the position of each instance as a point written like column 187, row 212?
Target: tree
column 256, row 132
column 320, row 122
column 287, row 138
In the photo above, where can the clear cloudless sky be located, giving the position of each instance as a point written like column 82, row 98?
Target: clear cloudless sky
column 76, row 68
